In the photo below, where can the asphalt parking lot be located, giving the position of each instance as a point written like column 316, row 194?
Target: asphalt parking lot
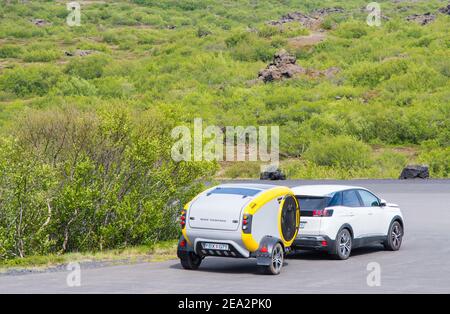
column 421, row 266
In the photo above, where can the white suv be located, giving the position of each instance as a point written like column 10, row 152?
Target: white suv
column 337, row 218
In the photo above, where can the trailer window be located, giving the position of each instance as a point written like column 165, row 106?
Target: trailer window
column 235, row 191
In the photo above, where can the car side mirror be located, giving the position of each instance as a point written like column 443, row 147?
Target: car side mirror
column 383, row 203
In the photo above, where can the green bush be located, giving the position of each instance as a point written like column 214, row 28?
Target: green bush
column 438, row 160
column 116, row 87
column 91, row 181
column 236, row 39
column 30, row 80
column 10, row 51
column 242, row 169
column 255, row 50
column 87, row 68
column 372, row 74
column 74, row 86
column 352, row 30
column 41, row 56
column 339, row 151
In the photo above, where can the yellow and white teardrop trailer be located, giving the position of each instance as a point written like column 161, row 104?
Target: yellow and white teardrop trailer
column 241, row 221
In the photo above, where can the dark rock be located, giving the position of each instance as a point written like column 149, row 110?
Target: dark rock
column 445, row 10
column 312, row 20
column 304, row 19
column 283, row 66
column 78, row 53
column 40, row 22
column 415, row 171
column 272, row 174
column 325, row 11
column 422, row 19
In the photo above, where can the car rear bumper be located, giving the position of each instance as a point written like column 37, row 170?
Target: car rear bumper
column 310, row 242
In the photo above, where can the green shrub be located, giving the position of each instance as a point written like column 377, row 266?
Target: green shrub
column 242, row 169
column 41, row 56
column 30, row 80
column 236, row 39
column 87, row 68
column 116, row 87
column 10, row 51
column 74, row 86
column 91, row 181
column 372, row 74
column 255, row 50
column 267, row 31
column 339, row 151
column 327, row 24
column 438, row 160
column 352, row 30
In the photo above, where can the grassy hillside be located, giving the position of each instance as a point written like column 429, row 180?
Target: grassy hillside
column 389, row 103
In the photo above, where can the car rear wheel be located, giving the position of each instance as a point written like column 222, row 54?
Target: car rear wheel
column 277, row 260
column 343, row 246
column 394, row 237
column 191, row 261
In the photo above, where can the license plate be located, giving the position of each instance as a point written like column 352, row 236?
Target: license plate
column 302, row 224
column 215, row 246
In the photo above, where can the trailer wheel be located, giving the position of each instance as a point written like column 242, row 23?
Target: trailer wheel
column 277, row 260
column 191, row 261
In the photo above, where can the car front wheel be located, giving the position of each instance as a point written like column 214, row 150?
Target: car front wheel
column 394, row 237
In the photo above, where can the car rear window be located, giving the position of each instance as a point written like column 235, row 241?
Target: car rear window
column 310, row 203
column 235, row 191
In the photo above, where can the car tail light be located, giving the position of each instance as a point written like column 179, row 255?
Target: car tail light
column 324, row 243
column 322, row 212
column 264, row 249
column 183, row 243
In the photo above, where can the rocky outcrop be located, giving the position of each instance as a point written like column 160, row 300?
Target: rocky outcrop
column 426, row 18
column 445, row 10
column 78, row 53
column 312, row 20
column 422, row 19
column 325, row 11
column 283, row 66
column 415, row 171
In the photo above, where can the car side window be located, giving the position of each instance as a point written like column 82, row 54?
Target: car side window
column 350, row 199
column 336, row 200
column 368, row 199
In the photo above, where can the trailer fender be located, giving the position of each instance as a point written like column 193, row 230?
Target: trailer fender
column 184, row 250
column 263, row 256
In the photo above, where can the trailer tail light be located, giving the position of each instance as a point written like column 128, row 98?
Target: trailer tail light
column 183, row 219
column 322, row 212
column 247, row 223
